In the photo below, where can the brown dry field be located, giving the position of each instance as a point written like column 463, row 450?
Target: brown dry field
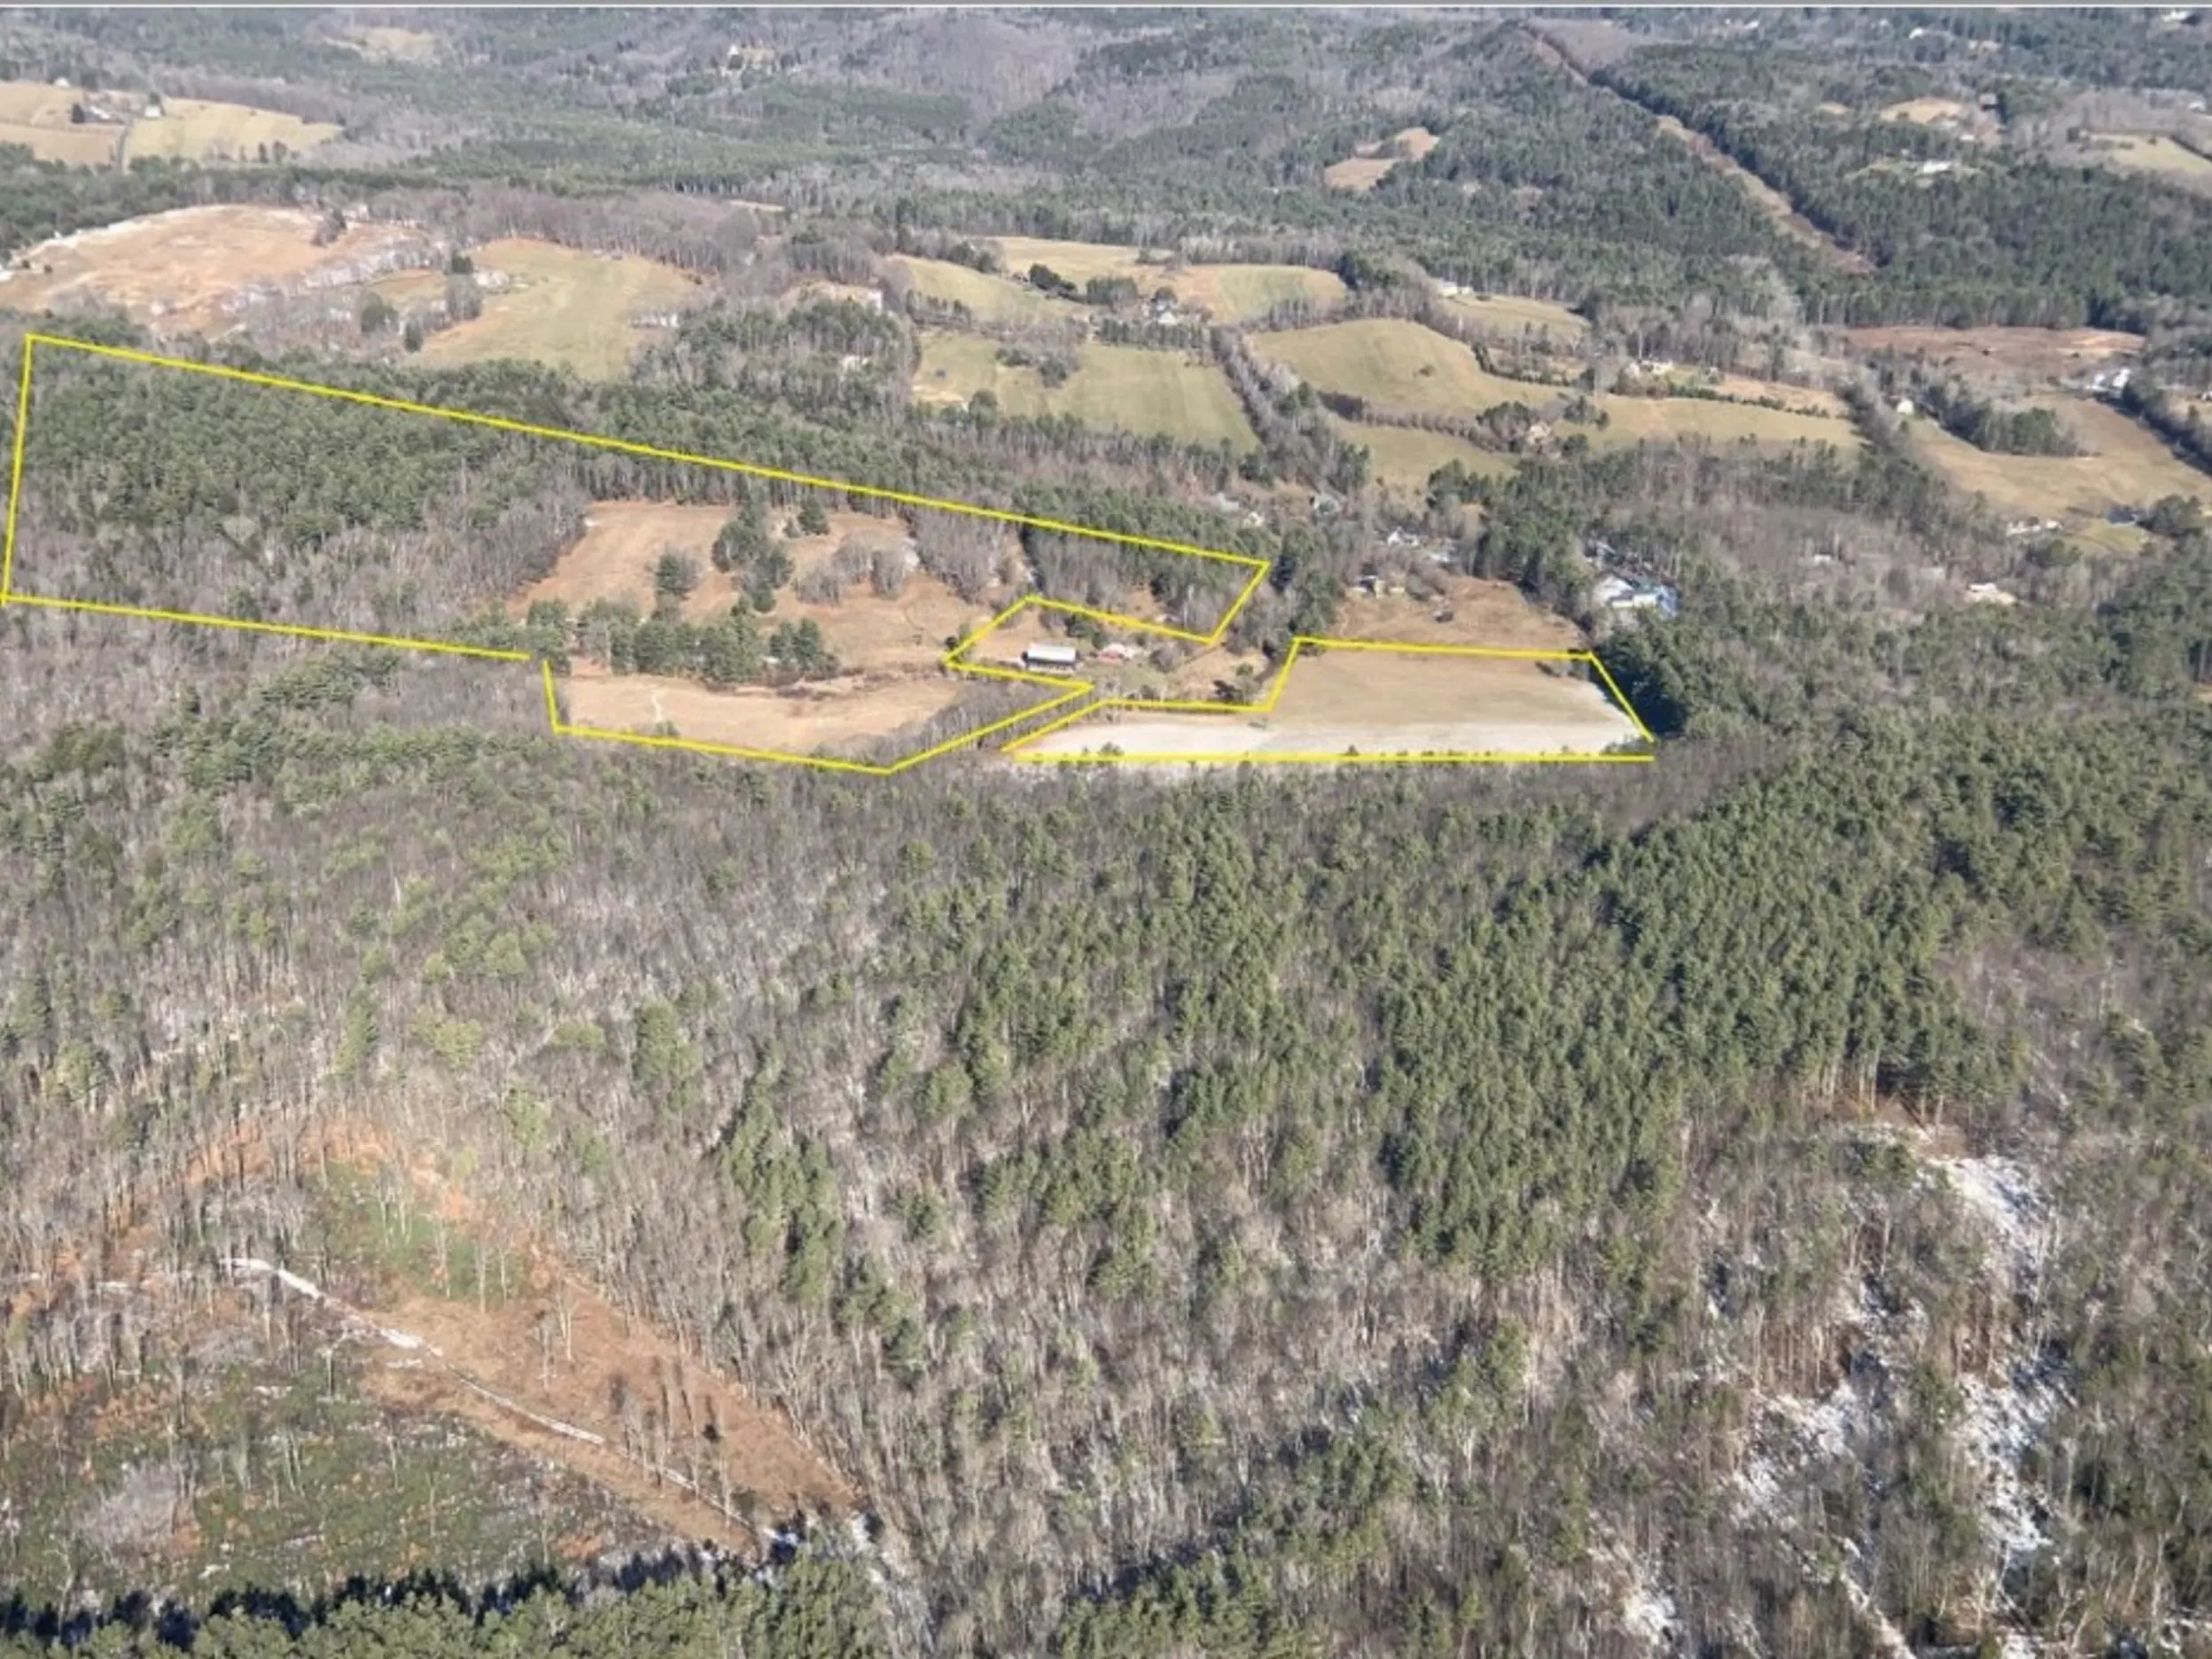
column 89, row 146
column 1378, row 703
column 2047, row 353
column 830, row 714
column 188, row 268
column 622, row 541
column 1492, row 614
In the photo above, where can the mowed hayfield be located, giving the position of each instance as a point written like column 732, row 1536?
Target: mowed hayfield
column 196, row 129
column 566, row 307
column 2145, row 152
column 189, row 129
column 1120, row 388
column 1511, row 314
column 1399, row 367
column 1402, row 457
column 1376, row 703
column 1633, row 420
column 988, row 299
column 1227, row 293
column 189, row 268
column 36, row 116
column 2127, row 466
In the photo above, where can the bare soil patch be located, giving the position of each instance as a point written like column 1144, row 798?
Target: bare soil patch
column 1377, row 703
column 191, row 269
column 830, row 714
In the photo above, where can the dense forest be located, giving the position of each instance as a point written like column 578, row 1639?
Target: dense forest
column 1752, row 1202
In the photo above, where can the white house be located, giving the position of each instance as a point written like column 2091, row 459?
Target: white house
column 1048, row 656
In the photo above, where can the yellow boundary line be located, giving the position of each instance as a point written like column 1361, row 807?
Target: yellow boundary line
column 1069, row 689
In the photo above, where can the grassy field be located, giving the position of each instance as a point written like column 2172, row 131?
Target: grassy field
column 1228, row 293
column 194, row 130
column 2127, row 466
column 990, row 299
column 1402, row 457
column 35, row 114
column 1396, row 365
column 2142, row 152
column 1630, row 420
column 567, row 307
column 1510, row 314
column 1404, row 368
column 1116, row 387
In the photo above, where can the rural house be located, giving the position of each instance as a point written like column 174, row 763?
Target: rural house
column 1048, row 656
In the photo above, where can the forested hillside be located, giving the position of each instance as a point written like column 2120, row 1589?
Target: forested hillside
column 464, row 1189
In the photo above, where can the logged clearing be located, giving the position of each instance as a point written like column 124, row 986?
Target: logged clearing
column 1228, row 293
column 2142, row 152
column 1122, row 388
column 2047, row 353
column 2127, row 466
column 564, row 306
column 1377, row 703
column 590, row 1356
column 191, row 268
column 988, row 299
column 833, row 714
column 1511, row 314
column 196, row 130
column 1367, row 165
column 1402, row 457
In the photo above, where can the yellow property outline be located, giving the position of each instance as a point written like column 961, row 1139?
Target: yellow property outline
column 1068, row 689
